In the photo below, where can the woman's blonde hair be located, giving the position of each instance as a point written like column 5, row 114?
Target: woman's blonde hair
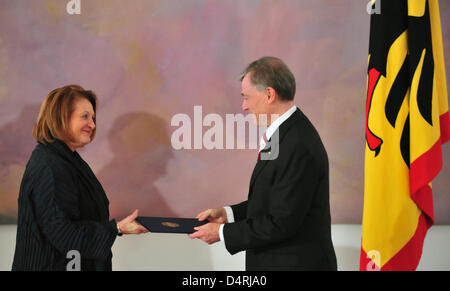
column 54, row 115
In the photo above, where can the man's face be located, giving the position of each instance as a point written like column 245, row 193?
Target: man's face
column 255, row 101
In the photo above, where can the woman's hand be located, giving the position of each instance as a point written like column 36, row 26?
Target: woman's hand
column 129, row 226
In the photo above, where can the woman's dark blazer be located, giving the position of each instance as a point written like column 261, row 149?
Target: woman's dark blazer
column 62, row 207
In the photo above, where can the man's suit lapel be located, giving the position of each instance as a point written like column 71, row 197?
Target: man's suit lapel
column 259, row 166
column 282, row 130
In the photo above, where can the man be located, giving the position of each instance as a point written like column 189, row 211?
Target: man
column 285, row 224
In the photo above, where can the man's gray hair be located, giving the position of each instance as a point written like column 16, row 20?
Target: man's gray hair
column 271, row 72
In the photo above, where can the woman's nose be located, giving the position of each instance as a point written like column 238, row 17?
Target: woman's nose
column 91, row 123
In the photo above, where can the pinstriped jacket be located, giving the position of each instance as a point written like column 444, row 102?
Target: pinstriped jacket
column 62, row 207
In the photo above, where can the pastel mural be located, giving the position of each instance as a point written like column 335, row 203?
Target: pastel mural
column 149, row 60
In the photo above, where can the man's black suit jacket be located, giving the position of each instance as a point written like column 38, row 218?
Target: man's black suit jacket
column 285, row 224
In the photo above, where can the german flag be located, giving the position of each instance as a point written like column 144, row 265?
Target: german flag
column 407, row 120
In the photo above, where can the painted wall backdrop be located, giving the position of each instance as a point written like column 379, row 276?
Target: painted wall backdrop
column 150, row 60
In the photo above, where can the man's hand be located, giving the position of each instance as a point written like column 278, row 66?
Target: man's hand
column 209, row 233
column 129, row 226
column 216, row 215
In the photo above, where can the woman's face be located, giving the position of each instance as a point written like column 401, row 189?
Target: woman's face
column 81, row 123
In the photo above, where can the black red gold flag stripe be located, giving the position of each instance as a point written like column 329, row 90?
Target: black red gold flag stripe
column 407, row 121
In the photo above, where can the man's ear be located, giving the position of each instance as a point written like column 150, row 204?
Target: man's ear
column 271, row 95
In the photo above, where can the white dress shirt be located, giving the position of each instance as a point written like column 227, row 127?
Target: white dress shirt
column 269, row 132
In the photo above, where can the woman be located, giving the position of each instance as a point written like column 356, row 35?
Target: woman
column 62, row 206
